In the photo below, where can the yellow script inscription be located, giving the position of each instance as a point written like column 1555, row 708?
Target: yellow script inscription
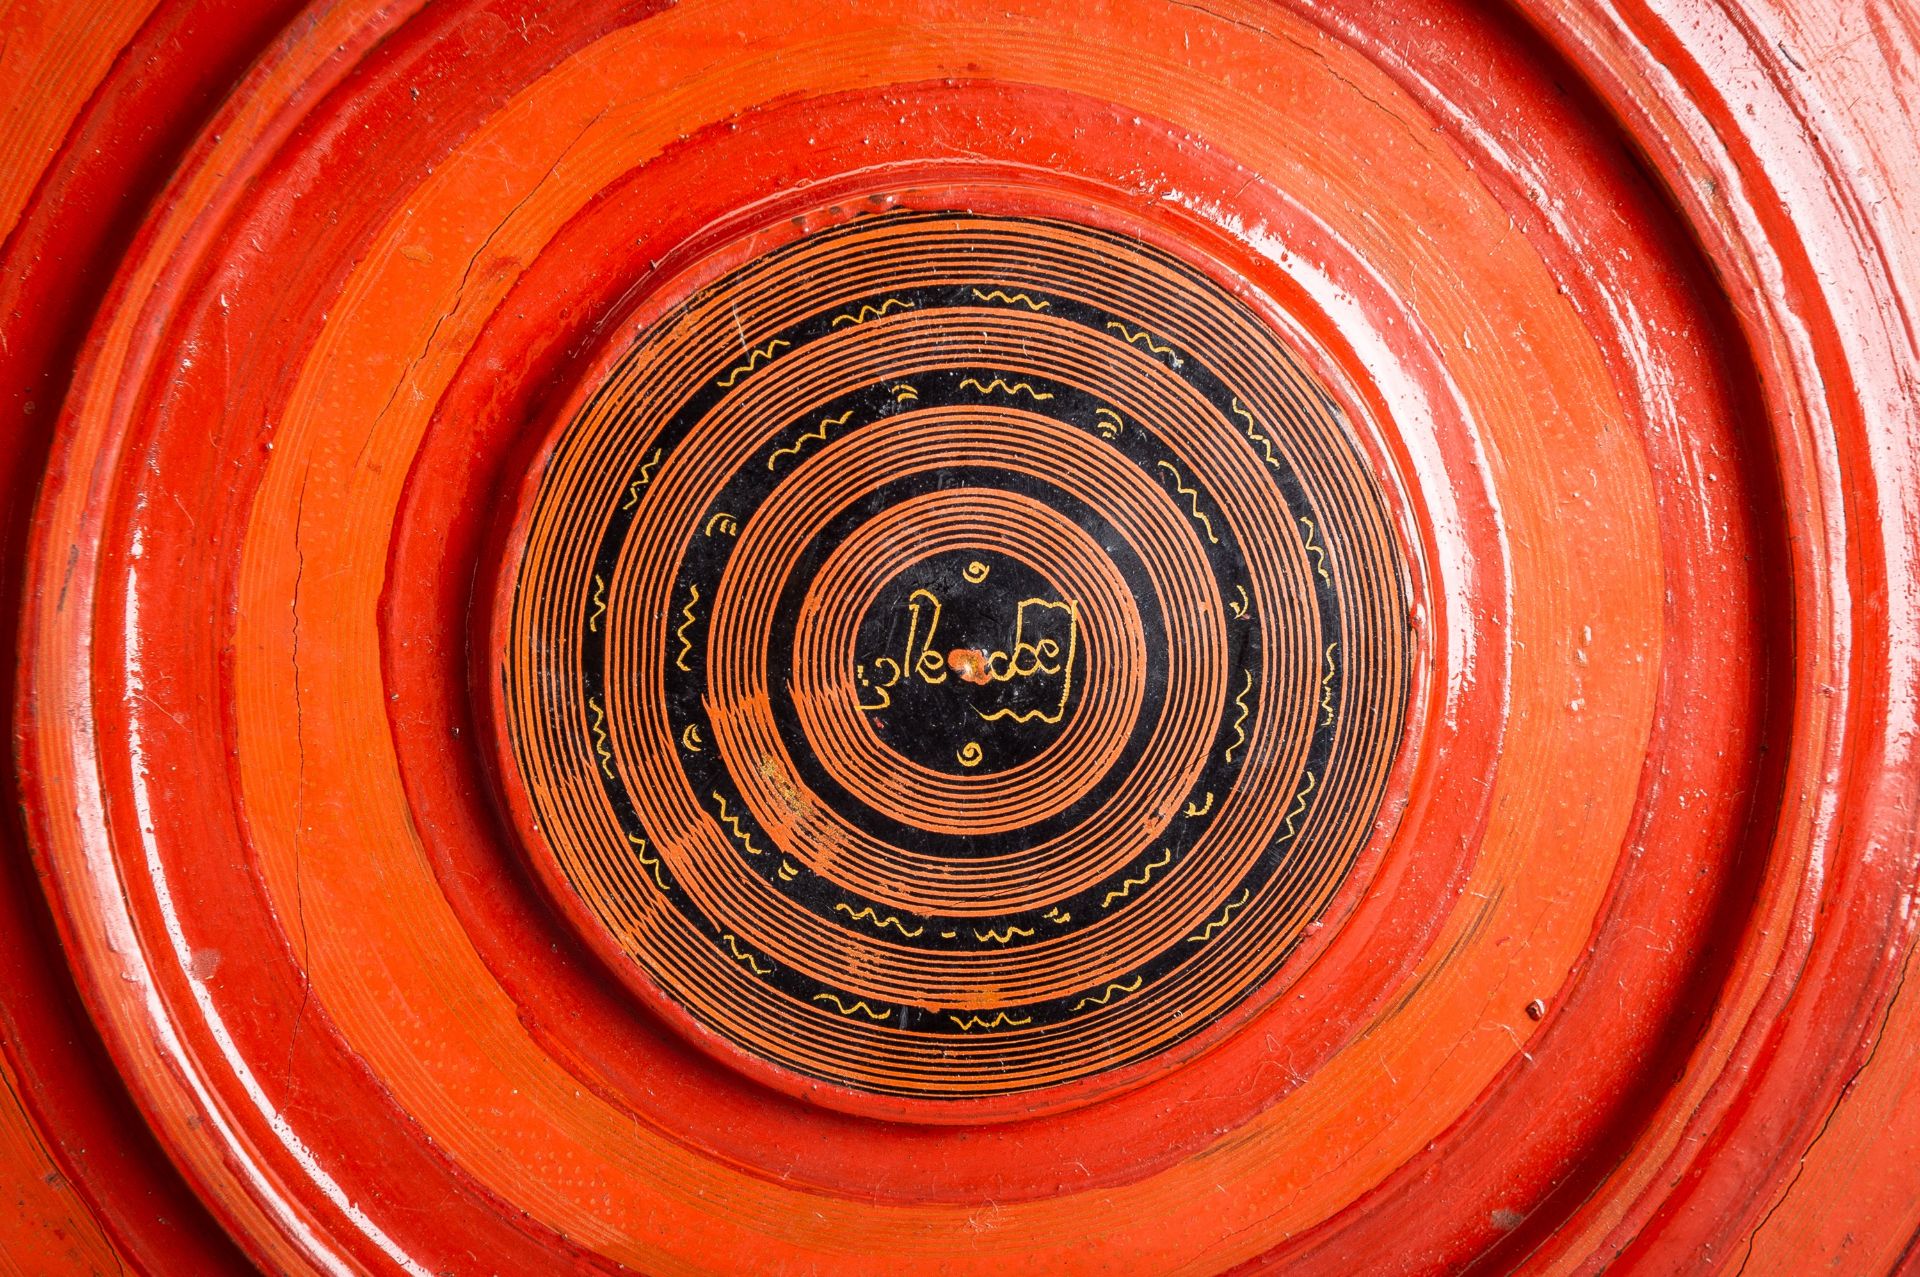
column 1046, row 636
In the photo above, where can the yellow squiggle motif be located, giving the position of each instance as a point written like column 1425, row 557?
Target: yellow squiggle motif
column 1107, row 422
column 1206, row 932
column 903, row 392
column 734, row 945
column 647, row 858
column 733, row 822
column 1241, row 605
column 1203, row 808
column 1002, row 937
column 1239, row 724
column 866, row 914
column 599, row 603
column 754, row 359
column 1106, row 995
column 788, row 872
column 1057, row 914
column 1125, row 889
column 818, row 434
column 646, row 476
column 1193, row 498
column 1299, row 805
column 859, row 1005
column 600, row 737
column 1000, row 295
column 1312, row 548
column 867, row 312
column 1139, row 337
column 1326, row 687
column 968, row 1023
column 690, row 739
column 686, row 644
column 1266, row 444
column 1004, row 386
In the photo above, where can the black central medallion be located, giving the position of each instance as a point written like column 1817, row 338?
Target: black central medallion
column 967, row 662
column 954, row 656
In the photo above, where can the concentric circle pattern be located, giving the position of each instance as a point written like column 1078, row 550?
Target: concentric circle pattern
column 856, row 637
column 953, row 656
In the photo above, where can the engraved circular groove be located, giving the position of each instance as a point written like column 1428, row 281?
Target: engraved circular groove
column 953, row 656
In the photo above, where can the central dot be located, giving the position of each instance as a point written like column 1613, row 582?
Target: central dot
column 970, row 662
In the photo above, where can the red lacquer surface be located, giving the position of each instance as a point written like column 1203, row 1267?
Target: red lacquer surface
column 1617, row 302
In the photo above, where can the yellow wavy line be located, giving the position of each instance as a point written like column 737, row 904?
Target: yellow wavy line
column 1193, row 498
column 1206, row 932
column 651, row 861
column 904, row 392
column 1057, row 914
column 968, row 1023
column 1204, row 807
column 1106, row 995
column 1102, row 414
column 867, row 914
column 867, row 312
column 859, row 1005
column 733, row 823
column 646, row 476
column 1011, row 388
column 1125, row 889
column 787, row 871
column 1326, row 687
column 1299, row 805
column 754, row 359
column 600, row 737
column 1239, row 724
column 745, row 957
column 599, row 603
column 998, row 295
column 1242, row 605
column 1035, row 715
column 1003, row 937
column 686, row 644
column 1266, row 444
column 1139, row 337
column 1315, row 549
column 819, row 434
